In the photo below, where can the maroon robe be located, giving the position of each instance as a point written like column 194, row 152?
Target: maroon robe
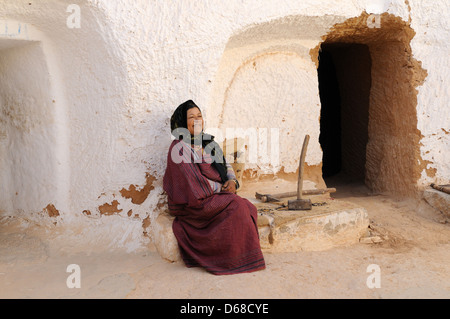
column 216, row 231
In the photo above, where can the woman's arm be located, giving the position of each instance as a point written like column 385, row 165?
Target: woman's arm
column 230, row 172
column 231, row 185
column 216, row 186
column 231, row 175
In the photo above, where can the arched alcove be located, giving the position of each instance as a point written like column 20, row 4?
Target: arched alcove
column 65, row 124
column 270, row 97
column 28, row 138
column 266, row 79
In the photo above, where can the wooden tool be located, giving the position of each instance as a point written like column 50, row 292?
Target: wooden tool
column 300, row 203
column 277, row 197
column 442, row 188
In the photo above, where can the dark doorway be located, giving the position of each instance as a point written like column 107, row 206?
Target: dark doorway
column 344, row 75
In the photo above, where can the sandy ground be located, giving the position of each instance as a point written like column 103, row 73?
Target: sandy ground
column 413, row 259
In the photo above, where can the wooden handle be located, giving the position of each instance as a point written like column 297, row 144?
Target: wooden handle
column 268, row 197
column 301, row 166
column 442, row 188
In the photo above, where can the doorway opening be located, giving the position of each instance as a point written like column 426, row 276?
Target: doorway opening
column 368, row 81
column 344, row 75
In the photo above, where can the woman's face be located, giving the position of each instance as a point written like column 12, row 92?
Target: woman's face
column 194, row 121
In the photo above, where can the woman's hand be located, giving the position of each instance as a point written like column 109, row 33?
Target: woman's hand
column 229, row 186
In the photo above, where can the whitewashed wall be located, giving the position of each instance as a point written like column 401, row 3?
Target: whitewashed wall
column 100, row 96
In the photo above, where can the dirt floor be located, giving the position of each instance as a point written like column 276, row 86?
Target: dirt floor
column 413, row 258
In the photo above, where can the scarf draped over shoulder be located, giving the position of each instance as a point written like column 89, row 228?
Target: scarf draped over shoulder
column 216, row 231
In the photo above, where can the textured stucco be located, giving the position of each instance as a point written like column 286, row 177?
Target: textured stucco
column 100, row 96
column 26, row 123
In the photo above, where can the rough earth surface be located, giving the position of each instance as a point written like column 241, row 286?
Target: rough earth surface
column 413, row 257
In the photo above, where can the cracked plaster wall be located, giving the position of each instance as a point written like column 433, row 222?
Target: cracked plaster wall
column 117, row 79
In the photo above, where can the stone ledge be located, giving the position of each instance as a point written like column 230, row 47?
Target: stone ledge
column 163, row 237
column 438, row 200
column 335, row 223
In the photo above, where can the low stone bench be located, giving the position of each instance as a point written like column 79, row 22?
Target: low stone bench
column 334, row 223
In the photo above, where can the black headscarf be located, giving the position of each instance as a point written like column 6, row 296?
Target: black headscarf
column 178, row 125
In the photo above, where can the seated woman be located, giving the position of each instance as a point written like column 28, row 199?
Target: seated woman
column 215, row 228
